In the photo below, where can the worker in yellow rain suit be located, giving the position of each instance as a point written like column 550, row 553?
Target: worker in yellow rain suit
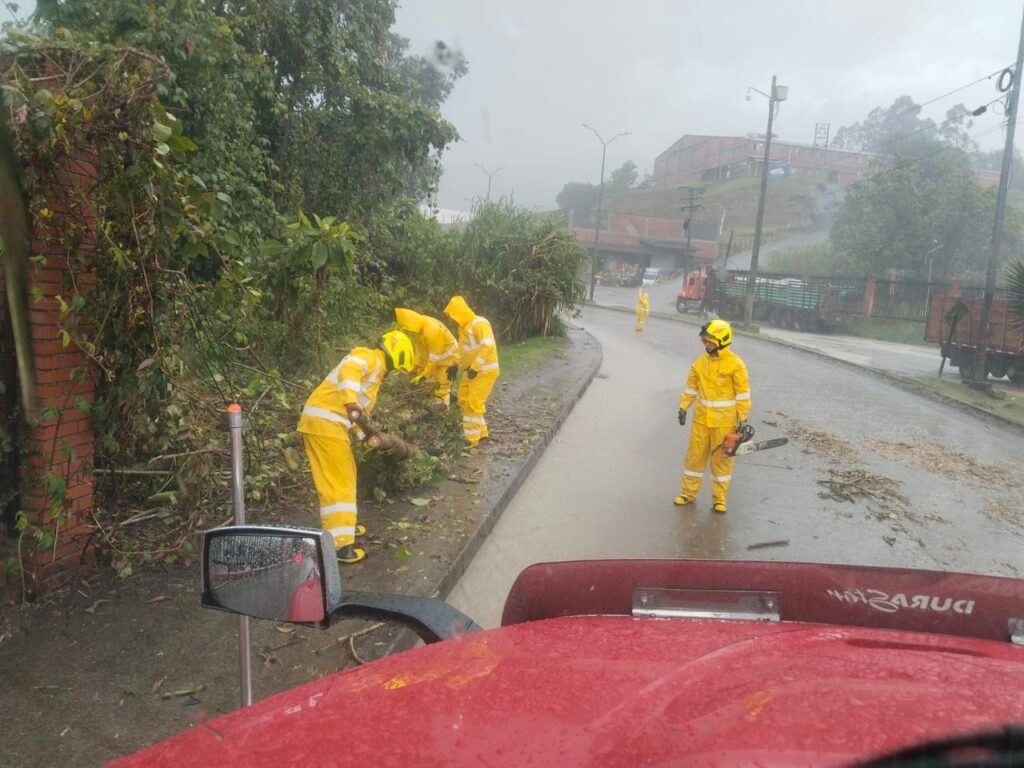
column 339, row 404
column 436, row 350
column 718, row 382
column 478, row 360
column 643, row 309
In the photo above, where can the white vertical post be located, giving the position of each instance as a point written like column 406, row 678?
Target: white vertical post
column 238, row 498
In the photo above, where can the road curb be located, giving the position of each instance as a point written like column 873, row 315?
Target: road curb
column 903, row 382
column 504, row 495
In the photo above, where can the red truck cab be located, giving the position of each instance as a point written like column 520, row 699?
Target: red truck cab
column 663, row 662
column 691, row 295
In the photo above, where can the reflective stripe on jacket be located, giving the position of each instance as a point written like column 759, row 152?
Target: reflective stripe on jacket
column 721, row 389
column 477, row 347
column 435, row 345
column 356, row 380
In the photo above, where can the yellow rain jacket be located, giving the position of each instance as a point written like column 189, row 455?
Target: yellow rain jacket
column 436, row 348
column 357, row 379
column 643, row 309
column 477, row 348
column 721, row 388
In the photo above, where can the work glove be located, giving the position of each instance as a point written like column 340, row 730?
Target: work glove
column 453, row 371
column 417, row 379
column 682, row 417
column 471, row 373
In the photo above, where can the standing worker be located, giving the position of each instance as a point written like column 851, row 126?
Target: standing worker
column 341, row 403
column 643, row 309
column 718, row 382
column 478, row 359
column 436, row 350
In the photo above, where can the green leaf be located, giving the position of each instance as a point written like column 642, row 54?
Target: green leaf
column 319, row 257
column 402, row 553
column 161, row 132
column 419, row 501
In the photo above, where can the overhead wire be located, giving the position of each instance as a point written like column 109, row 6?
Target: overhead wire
column 890, row 118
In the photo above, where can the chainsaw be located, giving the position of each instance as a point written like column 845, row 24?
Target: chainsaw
column 737, row 443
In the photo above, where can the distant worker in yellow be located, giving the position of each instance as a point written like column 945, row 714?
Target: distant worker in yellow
column 643, row 309
column 436, row 350
column 338, row 406
column 718, row 382
column 478, row 360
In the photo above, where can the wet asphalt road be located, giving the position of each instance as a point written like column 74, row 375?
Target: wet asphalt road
column 904, row 359
column 604, row 487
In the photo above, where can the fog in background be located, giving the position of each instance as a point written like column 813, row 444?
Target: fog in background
column 537, row 70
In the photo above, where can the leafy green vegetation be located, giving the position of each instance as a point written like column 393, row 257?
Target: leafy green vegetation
column 902, row 331
column 261, row 169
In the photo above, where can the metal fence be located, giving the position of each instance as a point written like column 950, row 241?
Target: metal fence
column 906, row 300
column 909, row 300
column 900, row 300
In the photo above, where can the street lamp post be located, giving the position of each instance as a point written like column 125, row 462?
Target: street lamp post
column 600, row 200
column 490, row 175
column 778, row 93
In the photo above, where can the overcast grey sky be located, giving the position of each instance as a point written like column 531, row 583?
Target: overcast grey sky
column 660, row 69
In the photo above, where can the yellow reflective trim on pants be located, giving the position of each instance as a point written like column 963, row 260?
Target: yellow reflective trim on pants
column 333, row 467
column 703, row 440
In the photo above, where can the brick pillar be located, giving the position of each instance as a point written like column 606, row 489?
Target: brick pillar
column 869, row 297
column 57, row 476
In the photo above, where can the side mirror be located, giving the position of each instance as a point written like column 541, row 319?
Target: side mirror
column 269, row 572
column 291, row 574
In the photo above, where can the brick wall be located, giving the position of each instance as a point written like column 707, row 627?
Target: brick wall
column 56, row 475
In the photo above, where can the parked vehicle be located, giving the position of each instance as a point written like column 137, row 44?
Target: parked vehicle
column 652, row 276
column 631, row 662
column 691, row 295
column 954, row 323
column 815, row 304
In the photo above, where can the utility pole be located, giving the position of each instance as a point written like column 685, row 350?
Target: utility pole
column 600, row 200
column 778, row 93
column 821, row 136
column 688, row 222
column 490, row 175
column 1004, row 183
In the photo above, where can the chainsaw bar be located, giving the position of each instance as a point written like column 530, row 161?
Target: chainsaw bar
column 764, row 445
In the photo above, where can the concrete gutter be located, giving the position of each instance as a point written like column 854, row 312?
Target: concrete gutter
column 903, row 382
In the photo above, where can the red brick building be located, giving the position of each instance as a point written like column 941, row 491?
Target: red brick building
column 696, row 159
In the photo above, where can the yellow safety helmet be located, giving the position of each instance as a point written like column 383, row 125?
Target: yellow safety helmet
column 717, row 330
column 399, row 350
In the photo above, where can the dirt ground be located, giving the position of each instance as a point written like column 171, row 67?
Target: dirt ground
column 105, row 668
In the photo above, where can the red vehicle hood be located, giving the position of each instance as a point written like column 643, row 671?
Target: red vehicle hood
column 615, row 690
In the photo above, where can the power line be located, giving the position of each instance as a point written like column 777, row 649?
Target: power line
column 710, row 160
column 919, row 107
